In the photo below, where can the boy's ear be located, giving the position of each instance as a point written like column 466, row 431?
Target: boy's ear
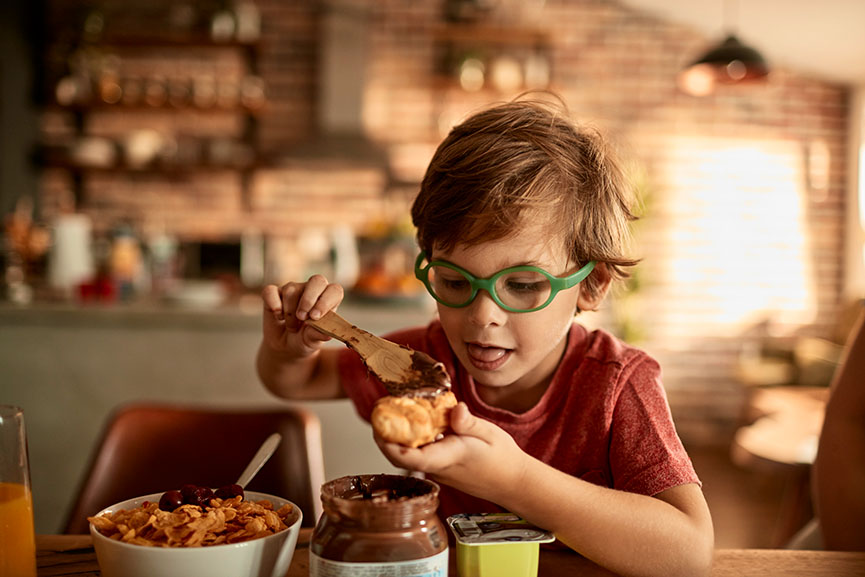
column 601, row 277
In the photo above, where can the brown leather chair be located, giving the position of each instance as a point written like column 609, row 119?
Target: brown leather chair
column 151, row 448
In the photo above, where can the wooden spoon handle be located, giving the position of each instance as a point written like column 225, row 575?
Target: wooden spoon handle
column 399, row 368
column 361, row 341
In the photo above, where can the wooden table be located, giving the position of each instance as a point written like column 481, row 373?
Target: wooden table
column 72, row 555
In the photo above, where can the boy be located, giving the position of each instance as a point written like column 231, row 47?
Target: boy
column 569, row 429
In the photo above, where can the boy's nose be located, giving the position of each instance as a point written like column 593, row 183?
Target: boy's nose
column 484, row 311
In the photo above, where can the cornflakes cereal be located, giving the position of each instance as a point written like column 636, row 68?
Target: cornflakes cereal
column 224, row 521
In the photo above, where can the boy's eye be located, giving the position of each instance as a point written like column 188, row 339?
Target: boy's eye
column 444, row 278
column 524, row 282
column 454, row 283
column 514, row 285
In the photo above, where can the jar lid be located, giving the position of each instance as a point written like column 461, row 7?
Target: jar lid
column 492, row 528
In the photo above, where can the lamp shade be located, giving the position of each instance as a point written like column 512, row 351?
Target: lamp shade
column 729, row 62
column 734, row 61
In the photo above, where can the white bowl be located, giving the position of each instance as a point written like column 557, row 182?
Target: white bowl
column 263, row 557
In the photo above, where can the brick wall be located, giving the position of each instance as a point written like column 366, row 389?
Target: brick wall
column 742, row 232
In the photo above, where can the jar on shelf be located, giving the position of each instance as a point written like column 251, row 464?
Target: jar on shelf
column 379, row 524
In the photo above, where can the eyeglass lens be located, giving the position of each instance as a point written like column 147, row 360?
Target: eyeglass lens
column 521, row 290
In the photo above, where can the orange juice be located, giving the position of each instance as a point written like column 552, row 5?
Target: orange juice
column 17, row 541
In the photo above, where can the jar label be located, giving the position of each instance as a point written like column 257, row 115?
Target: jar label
column 435, row 566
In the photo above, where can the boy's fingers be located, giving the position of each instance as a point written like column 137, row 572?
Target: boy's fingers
column 315, row 286
column 290, row 294
column 464, row 423
column 272, row 301
column 329, row 299
column 312, row 335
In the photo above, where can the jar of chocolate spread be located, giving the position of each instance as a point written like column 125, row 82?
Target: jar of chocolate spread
column 379, row 525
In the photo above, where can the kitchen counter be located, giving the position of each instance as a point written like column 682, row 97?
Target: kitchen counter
column 245, row 312
column 68, row 366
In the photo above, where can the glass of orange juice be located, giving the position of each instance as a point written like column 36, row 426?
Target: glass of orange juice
column 17, row 539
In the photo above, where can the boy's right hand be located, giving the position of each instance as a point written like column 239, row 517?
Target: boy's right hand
column 287, row 307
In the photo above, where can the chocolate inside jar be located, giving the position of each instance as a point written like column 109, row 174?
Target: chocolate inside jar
column 379, row 519
column 379, row 488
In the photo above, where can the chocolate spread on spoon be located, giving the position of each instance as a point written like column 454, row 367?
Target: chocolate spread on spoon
column 423, row 377
column 426, row 378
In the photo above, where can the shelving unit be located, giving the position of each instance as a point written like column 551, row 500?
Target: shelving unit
column 490, row 45
column 484, row 59
column 150, row 83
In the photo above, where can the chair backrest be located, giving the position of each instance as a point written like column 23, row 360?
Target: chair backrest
column 147, row 448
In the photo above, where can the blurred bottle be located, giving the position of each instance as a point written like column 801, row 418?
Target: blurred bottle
column 70, row 262
column 222, row 25
column 133, row 91
column 204, row 90
column 110, row 91
column 24, row 245
column 156, row 91
column 182, row 17
column 346, row 257
column 179, row 91
column 248, row 21
column 93, row 25
column 126, row 264
column 252, row 258
column 252, row 93
column 162, row 249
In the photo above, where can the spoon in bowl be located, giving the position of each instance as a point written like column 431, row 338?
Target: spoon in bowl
column 268, row 447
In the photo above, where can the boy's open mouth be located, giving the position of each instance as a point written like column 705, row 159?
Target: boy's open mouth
column 487, row 357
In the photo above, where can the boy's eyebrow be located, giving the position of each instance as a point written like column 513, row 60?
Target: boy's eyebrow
column 534, row 263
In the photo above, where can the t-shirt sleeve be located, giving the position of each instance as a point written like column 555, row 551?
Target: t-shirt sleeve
column 358, row 383
column 646, row 453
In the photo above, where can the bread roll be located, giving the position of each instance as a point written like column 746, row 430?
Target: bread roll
column 412, row 420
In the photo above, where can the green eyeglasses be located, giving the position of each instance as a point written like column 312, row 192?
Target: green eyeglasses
column 518, row 289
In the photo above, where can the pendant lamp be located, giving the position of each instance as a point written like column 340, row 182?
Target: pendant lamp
column 730, row 62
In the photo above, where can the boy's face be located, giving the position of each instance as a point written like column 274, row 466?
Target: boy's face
column 511, row 356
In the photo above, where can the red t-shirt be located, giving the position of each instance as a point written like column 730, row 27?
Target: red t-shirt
column 604, row 417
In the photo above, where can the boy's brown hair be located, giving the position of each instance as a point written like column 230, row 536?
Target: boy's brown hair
column 526, row 159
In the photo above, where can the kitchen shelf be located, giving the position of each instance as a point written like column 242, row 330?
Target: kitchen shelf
column 498, row 59
column 99, row 106
column 156, row 169
column 126, row 59
column 170, row 41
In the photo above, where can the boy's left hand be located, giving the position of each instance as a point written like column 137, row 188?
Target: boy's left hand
column 477, row 457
